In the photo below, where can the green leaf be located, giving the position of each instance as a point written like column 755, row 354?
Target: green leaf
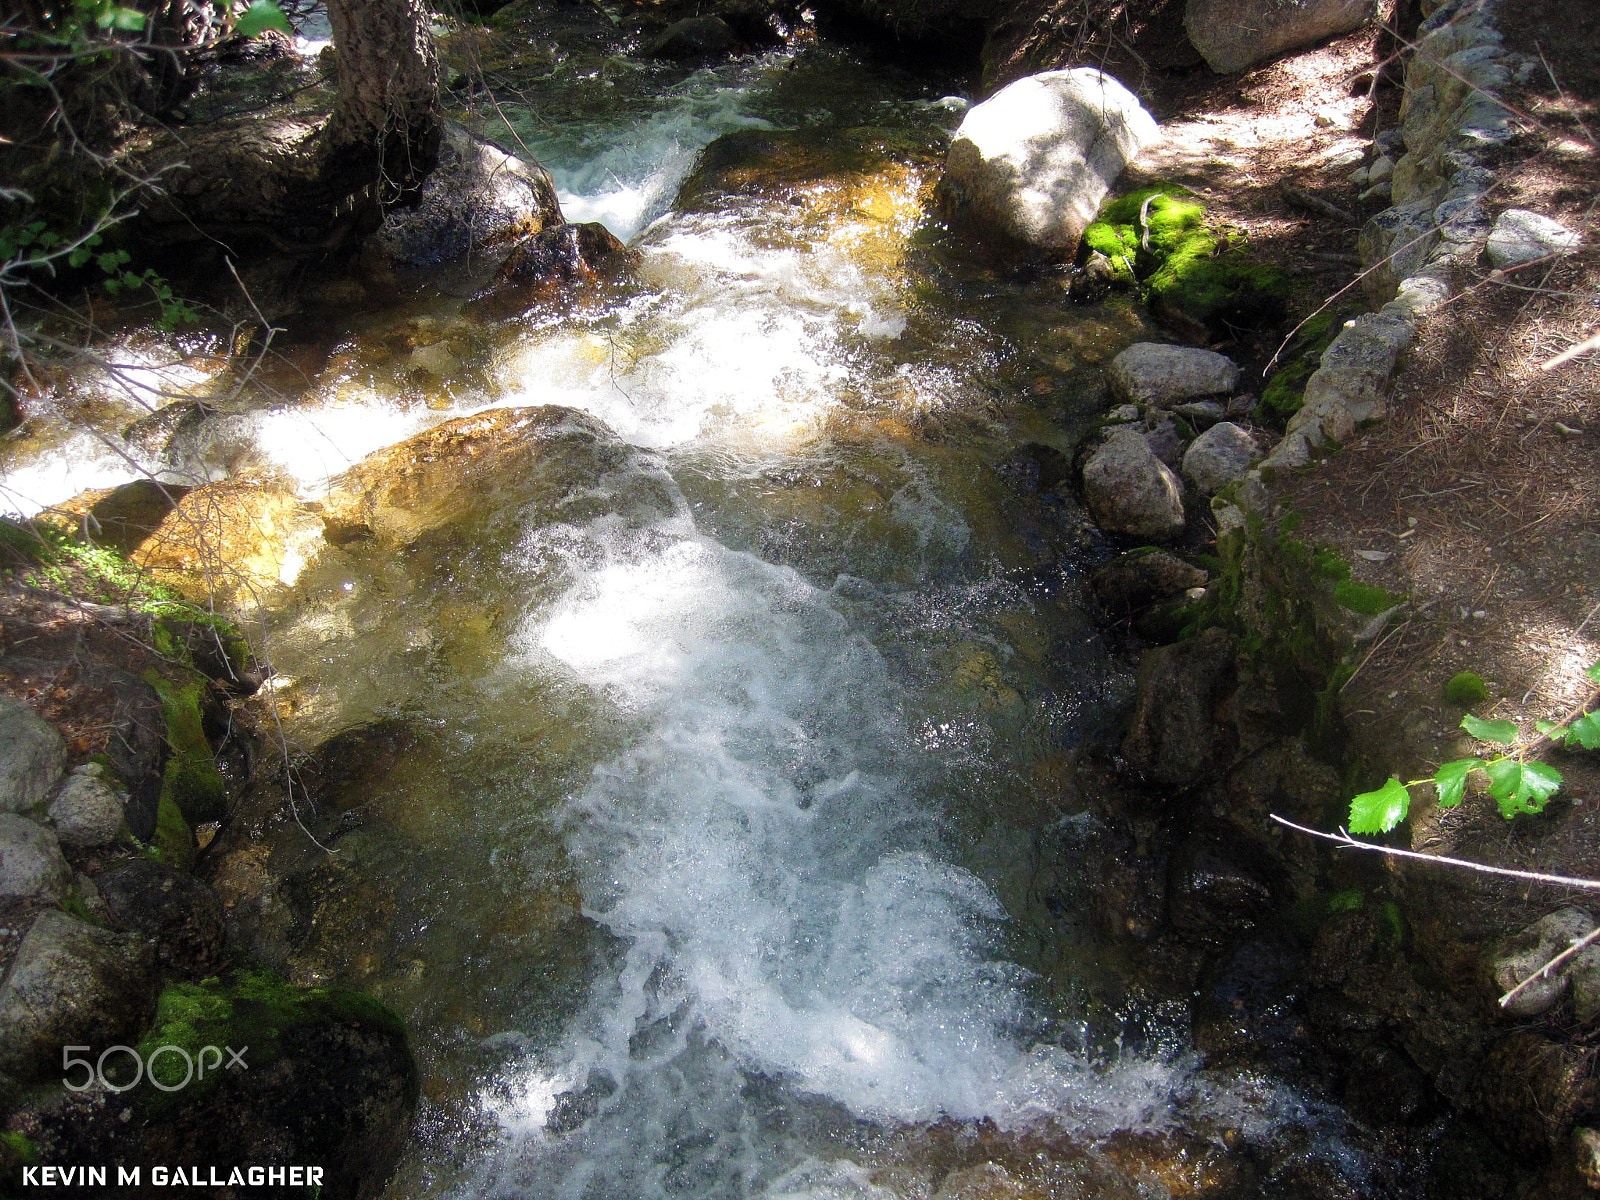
column 260, row 17
column 1451, row 780
column 1521, row 787
column 1503, row 733
column 1594, row 672
column 1585, row 731
column 1543, row 726
column 129, row 20
column 1380, row 811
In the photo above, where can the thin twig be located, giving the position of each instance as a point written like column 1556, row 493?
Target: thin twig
column 1343, row 838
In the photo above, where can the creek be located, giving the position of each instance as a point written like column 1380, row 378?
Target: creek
column 716, row 855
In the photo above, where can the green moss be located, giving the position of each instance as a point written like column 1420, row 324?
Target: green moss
column 1466, row 688
column 1286, row 389
column 173, row 842
column 1365, row 599
column 253, row 1009
column 192, row 780
column 1159, row 235
column 18, row 1149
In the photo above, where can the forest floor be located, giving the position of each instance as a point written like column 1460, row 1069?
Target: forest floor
column 1479, row 497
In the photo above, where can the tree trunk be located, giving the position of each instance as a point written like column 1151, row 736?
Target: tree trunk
column 385, row 124
column 307, row 190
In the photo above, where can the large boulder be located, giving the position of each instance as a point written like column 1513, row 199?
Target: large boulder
column 31, row 756
column 1233, row 35
column 503, row 466
column 1033, row 163
column 1131, row 491
column 1161, row 376
column 71, row 983
column 226, row 542
column 32, row 869
column 476, row 199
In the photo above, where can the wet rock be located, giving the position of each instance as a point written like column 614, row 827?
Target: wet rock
column 1233, row 35
column 501, row 467
column 1520, row 237
column 1130, row 491
column 32, row 869
column 1586, row 1154
column 1140, row 577
column 1212, row 892
column 1036, row 468
column 177, row 913
column 227, row 542
column 549, row 266
column 1033, row 163
column 477, row 198
column 1218, row 456
column 32, row 756
column 71, row 983
column 1530, row 950
column 692, row 39
column 1158, row 375
column 1176, row 736
column 1533, row 1091
column 87, row 811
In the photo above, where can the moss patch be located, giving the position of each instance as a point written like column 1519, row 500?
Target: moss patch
column 1286, row 390
column 192, row 781
column 1466, row 688
column 1189, row 271
column 254, row 1009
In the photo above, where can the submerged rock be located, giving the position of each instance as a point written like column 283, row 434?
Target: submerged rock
column 477, row 198
column 503, row 465
column 1233, row 35
column 32, row 756
column 1130, row 491
column 1159, row 375
column 71, row 983
column 120, row 517
column 1032, row 163
column 692, row 38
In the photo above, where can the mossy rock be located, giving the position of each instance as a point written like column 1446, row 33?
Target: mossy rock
column 1285, row 391
column 1189, row 273
column 329, row 1081
column 192, row 782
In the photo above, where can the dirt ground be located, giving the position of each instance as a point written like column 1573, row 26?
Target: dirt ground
column 1479, row 498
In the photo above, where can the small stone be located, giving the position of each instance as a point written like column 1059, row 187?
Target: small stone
column 1520, row 237
column 32, row 869
column 1382, row 168
column 1159, row 375
column 1124, row 412
column 1219, row 456
column 1347, row 157
column 1165, row 442
column 86, row 812
column 1378, row 191
column 31, row 756
column 1131, row 491
column 1360, row 176
column 1201, row 413
column 1138, row 578
column 1241, row 407
column 1376, row 556
column 1391, row 143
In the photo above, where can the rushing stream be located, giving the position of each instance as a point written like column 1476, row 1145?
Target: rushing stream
column 713, row 859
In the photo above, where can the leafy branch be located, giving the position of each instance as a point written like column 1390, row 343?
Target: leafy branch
column 1517, row 781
